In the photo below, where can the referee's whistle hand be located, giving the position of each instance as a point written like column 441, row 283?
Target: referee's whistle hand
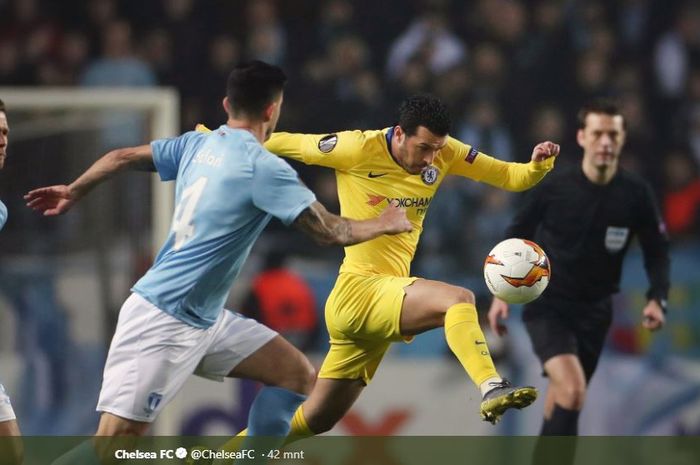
column 498, row 311
column 653, row 316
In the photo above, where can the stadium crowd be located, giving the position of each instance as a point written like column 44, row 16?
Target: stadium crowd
column 512, row 71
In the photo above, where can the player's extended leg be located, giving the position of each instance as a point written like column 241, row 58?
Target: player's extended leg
column 329, row 401
column 431, row 304
column 286, row 386
column 345, row 372
column 11, row 449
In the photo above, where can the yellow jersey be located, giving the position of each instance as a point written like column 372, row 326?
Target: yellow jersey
column 369, row 179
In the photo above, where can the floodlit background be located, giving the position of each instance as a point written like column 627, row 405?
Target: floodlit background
column 513, row 72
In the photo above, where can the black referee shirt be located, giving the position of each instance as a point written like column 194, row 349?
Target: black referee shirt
column 586, row 229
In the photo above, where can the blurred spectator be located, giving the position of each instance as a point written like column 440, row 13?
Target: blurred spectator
column 640, row 154
column 117, row 64
column 592, row 78
column 429, row 37
column 283, row 301
column 266, row 38
column 189, row 33
column 414, row 79
column 223, row 53
column 453, row 87
column 99, row 14
column 682, row 202
column 583, row 18
column 33, row 36
column 688, row 118
column 511, row 26
column 67, row 66
column 633, row 18
column 482, row 128
column 548, row 123
column 12, row 72
column 337, row 20
column 490, row 71
column 546, row 59
column 158, row 52
column 672, row 53
column 341, row 88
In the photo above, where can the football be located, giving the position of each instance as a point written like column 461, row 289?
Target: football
column 517, row 271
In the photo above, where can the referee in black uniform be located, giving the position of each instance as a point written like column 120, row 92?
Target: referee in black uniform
column 585, row 217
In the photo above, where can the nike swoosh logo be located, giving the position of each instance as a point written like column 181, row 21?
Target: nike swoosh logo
column 376, row 175
column 479, row 342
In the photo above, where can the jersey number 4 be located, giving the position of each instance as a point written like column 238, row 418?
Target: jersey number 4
column 183, row 226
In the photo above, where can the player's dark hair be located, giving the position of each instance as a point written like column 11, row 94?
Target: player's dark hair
column 598, row 106
column 2, row 105
column 424, row 110
column 253, row 85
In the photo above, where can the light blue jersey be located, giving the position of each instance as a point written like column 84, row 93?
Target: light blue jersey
column 3, row 214
column 228, row 187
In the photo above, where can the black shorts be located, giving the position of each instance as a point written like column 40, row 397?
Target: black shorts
column 559, row 326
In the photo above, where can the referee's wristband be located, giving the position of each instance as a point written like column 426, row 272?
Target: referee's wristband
column 663, row 304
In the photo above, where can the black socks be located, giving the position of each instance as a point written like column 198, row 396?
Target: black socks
column 564, row 422
column 557, row 451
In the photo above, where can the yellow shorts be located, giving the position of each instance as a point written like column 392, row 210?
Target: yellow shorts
column 362, row 316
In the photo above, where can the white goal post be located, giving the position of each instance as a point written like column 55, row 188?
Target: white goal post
column 162, row 103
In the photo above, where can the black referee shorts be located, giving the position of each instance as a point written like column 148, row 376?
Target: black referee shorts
column 559, row 326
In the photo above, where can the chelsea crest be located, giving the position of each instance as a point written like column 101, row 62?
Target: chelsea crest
column 429, row 175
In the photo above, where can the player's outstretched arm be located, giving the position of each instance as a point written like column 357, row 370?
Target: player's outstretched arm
column 511, row 176
column 329, row 229
column 56, row 200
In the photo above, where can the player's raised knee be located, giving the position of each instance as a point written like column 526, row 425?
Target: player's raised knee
column 300, row 376
column 463, row 296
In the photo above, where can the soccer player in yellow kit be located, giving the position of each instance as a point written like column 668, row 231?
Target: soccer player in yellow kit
column 375, row 301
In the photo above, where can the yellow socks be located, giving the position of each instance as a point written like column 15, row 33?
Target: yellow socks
column 468, row 343
column 299, row 428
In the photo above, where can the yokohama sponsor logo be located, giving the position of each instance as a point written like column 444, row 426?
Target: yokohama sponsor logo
column 403, row 202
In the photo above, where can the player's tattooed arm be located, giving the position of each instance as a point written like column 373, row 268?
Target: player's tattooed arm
column 324, row 227
column 56, row 200
column 329, row 229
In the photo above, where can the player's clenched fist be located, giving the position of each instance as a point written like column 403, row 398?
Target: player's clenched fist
column 395, row 220
column 545, row 150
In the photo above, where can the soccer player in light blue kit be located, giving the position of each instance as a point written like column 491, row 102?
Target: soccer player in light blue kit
column 173, row 324
column 11, row 448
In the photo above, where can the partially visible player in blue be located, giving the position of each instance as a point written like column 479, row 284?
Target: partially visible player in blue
column 173, row 325
column 11, row 449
